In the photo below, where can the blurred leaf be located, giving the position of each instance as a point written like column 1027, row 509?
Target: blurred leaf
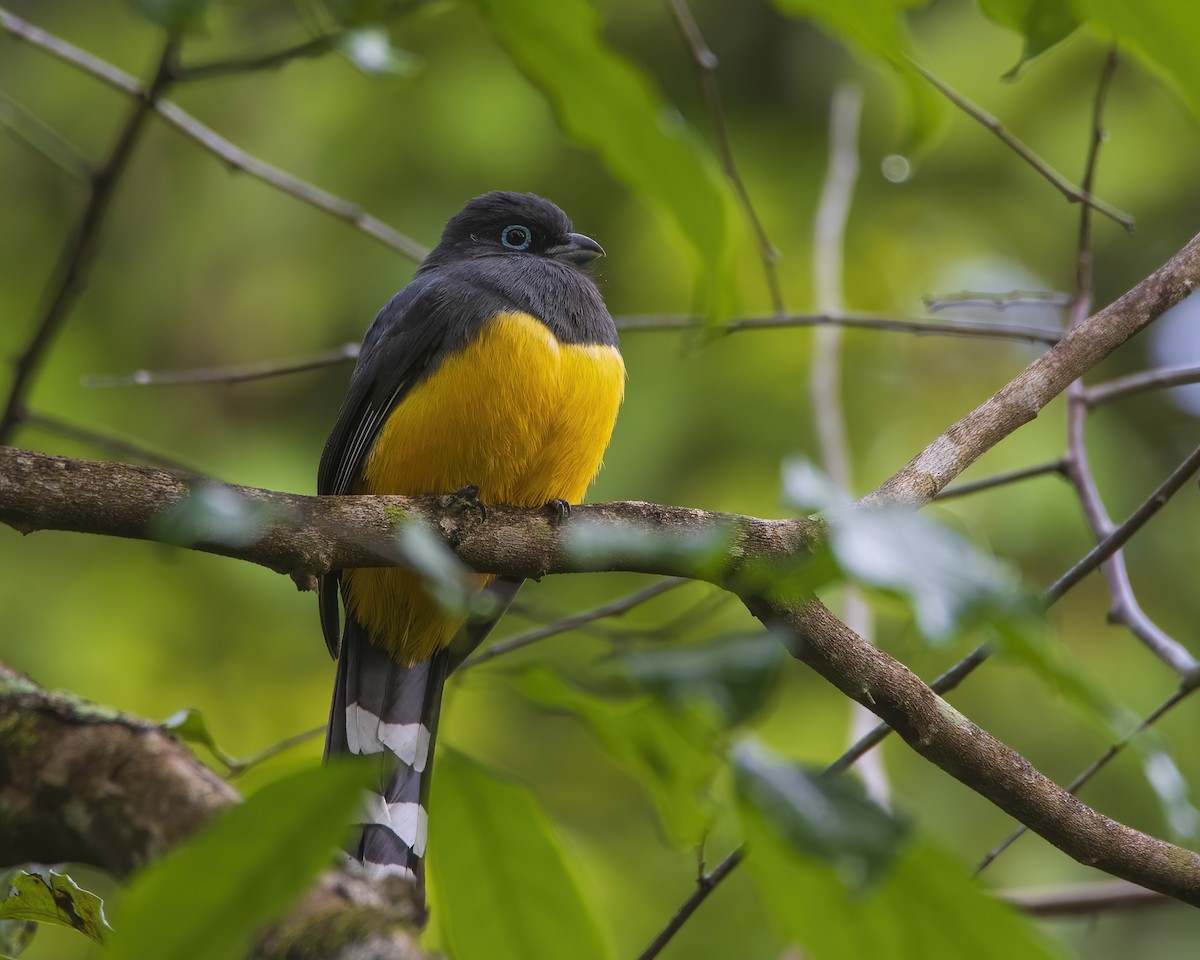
column 189, row 725
column 671, row 753
column 514, row 897
column 926, row 905
column 51, row 897
column 947, row 581
column 734, row 673
column 1171, row 788
column 877, row 28
column 208, row 898
column 449, row 581
column 370, row 49
column 1163, row 35
column 213, row 514
column 809, row 489
column 172, row 14
column 823, row 818
column 15, row 937
column 1043, row 23
column 607, row 103
column 698, row 552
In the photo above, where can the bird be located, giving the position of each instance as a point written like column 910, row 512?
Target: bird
column 495, row 374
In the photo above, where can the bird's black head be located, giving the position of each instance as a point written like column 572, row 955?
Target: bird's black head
column 513, row 224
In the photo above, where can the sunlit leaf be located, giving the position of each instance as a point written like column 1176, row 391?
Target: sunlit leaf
column 371, row 50
column 828, row 819
column 449, row 581
column 502, row 886
column 15, row 937
column 946, row 580
column 1043, row 23
column 208, row 898
column 809, row 489
column 672, row 753
column 1171, row 787
column 604, row 101
column 877, row 29
column 52, row 897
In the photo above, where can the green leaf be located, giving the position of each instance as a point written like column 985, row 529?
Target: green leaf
column 1043, row 23
column 605, row 102
column 948, row 582
column 877, row 29
column 1171, row 788
column 207, row 899
column 671, row 753
column 927, row 906
column 501, row 883
column 1162, row 33
column 828, row 819
column 52, row 897
column 736, row 674
column 190, row 726
column 172, row 14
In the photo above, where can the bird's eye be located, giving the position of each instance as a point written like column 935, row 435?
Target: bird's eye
column 516, row 237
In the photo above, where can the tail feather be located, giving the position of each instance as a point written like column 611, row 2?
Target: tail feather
column 383, row 707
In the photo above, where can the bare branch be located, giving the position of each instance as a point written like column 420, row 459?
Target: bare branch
column 71, row 273
column 706, row 64
column 313, row 47
column 957, row 328
column 1164, row 377
column 706, row 883
column 614, row 609
column 1072, row 901
column 1025, row 396
column 31, row 130
column 237, row 158
column 1097, row 765
column 102, row 441
column 233, row 373
column 997, row 301
column 1002, row 479
column 1062, row 184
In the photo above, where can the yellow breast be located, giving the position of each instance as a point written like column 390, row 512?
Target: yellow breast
column 516, row 412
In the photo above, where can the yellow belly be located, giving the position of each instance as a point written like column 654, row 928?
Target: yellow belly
column 516, row 412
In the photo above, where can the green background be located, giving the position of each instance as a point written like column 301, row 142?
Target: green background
column 201, row 266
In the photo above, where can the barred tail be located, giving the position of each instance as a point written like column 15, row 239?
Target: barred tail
column 380, row 706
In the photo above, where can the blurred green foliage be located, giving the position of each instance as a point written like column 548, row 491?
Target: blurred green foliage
column 201, row 266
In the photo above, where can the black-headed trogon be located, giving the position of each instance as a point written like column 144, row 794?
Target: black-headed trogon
column 497, row 367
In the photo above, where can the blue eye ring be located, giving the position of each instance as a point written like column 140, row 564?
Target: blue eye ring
column 516, row 236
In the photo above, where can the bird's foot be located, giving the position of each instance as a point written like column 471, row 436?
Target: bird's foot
column 557, row 510
column 468, row 499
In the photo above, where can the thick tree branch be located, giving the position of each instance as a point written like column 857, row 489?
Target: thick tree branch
column 84, row 784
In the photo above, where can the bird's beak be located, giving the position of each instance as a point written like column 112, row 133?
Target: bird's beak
column 578, row 249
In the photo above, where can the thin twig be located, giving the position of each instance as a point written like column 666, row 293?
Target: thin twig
column 997, row 301
column 1065, row 187
column 706, row 64
column 706, row 883
column 238, row 767
column 1158, row 379
column 71, row 272
column 210, row 140
column 1086, row 898
column 234, row 373
column 1095, row 767
column 101, row 441
column 30, row 129
column 313, row 47
column 958, row 328
column 1001, row 479
column 614, row 609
